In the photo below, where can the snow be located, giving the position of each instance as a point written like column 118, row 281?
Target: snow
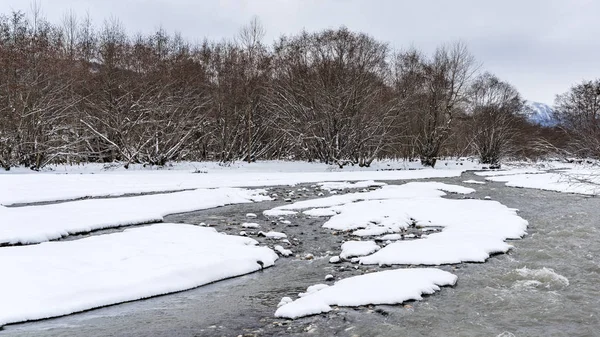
column 313, row 289
column 471, row 181
column 334, row 259
column 283, row 251
column 250, row 225
column 251, row 215
column 514, row 171
column 579, row 182
column 389, row 237
column 358, row 248
column 58, row 278
column 273, row 235
column 408, row 190
column 328, row 186
column 20, row 187
column 385, row 287
column 278, row 212
column 34, row 224
column 284, row 301
column 539, row 113
column 472, row 229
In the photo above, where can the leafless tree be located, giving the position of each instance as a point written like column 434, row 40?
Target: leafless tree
column 579, row 113
column 439, row 93
column 494, row 108
column 329, row 96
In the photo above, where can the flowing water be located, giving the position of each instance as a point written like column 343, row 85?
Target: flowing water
column 548, row 285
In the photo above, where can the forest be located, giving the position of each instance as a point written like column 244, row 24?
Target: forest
column 72, row 92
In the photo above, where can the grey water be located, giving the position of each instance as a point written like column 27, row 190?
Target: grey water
column 548, row 285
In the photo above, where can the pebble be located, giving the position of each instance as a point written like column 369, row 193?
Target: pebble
column 243, row 233
column 329, row 277
column 251, row 215
column 309, row 256
column 487, row 197
column 335, row 259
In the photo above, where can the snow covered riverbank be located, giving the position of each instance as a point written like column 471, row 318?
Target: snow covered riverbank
column 461, row 230
column 58, row 278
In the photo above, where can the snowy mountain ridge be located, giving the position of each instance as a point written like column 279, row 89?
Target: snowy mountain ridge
column 539, row 113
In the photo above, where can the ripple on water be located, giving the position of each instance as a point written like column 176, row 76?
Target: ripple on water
column 543, row 278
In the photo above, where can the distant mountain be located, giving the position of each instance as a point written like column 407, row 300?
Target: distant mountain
column 539, row 113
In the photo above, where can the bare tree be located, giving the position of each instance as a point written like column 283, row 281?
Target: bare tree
column 494, row 108
column 328, row 95
column 439, row 93
column 579, row 113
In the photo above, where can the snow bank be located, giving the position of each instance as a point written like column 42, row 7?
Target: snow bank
column 472, row 229
column 493, row 173
column 33, row 224
column 404, row 191
column 59, row 278
column 386, row 287
column 41, row 187
column 566, row 182
column 358, row 248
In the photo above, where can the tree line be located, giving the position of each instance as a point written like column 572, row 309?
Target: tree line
column 74, row 93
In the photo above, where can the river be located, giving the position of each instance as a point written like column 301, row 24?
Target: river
column 548, row 285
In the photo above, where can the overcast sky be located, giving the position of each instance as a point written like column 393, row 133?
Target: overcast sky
column 540, row 46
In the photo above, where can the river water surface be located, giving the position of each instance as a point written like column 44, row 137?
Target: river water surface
column 548, row 285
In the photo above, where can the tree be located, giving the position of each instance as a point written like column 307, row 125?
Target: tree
column 329, row 97
column 439, row 91
column 578, row 111
column 494, row 108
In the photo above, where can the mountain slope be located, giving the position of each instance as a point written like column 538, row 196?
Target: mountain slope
column 540, row 114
